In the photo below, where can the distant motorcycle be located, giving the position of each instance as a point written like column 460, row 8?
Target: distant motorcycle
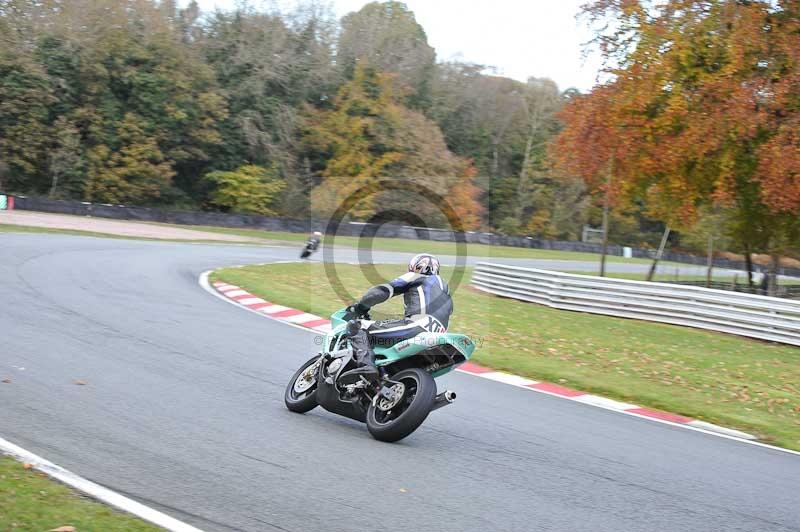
column 397, row 405
column 311, row 245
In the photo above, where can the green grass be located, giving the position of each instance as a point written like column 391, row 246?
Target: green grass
column 724, row 379
column 30, row 501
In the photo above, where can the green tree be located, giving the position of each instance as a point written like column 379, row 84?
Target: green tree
column 271, row 66
column 136, row 172
column 248, row 189
column 386, row 36
column 368, row 134
column 66, row 162
column 25, row 98
column 136, row 60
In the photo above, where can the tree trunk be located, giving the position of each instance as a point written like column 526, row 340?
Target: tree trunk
column 772, row 279
column 660, row 251
column 710, row 261
column 3, row 171
column 523, row 178
column 748, row 260
column 495, row 160
column 606, row 206
column 54, row 185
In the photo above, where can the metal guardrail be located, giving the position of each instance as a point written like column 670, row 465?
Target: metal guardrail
column 755, row 316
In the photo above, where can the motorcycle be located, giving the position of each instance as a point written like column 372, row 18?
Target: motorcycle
column 309, row 248
column 397, row 405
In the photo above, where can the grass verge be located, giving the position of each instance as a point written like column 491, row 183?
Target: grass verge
column 736, row 382
column 31, row 501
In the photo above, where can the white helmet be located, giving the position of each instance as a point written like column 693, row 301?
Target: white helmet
column 317, row 233
column 424, row 263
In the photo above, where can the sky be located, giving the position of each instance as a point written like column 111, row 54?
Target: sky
column 520, row 38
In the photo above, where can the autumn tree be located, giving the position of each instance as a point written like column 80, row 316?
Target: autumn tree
column 703, row 98
column 248, row 189
column 135, row 172
column 369, row 135
column 594, row 147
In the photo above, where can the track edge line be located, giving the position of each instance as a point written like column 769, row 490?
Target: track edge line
column 94, row 490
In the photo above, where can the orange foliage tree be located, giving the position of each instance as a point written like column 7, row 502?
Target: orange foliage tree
column 705, row 97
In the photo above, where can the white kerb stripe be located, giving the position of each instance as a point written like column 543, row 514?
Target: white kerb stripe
column 274, row 309
column 326, row 327
column 234, row 293
column 508, row 378
column 300, row 318
column 722, row 430
column 603, row 402
column 251, row 301
column 228, row 288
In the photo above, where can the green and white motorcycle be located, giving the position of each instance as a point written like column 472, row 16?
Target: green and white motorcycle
column 406, row 394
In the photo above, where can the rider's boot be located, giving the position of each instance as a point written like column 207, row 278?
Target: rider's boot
column 364, row 355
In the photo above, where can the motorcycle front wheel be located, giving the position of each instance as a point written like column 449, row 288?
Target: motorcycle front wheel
column 301, row 392
column 393, row 419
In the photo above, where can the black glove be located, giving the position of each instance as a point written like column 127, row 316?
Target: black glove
column 357, row 310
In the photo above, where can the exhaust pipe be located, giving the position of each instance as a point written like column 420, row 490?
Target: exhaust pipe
column 443, row 399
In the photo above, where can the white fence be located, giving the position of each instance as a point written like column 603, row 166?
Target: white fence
column 766, row 318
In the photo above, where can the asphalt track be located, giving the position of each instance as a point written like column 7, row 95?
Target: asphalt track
column 183, row 410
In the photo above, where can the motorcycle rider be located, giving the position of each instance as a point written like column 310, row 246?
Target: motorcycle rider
column 311, row 245
column 428, row 307
column 314, row 240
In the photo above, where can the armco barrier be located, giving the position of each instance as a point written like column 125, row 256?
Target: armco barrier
column 762, row 317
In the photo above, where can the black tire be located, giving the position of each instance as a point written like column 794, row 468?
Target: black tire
column 304, row 254
column 412, row 416
column 301, row 403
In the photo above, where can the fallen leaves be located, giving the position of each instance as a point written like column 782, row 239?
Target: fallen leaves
column 6, row 381
column 80, row 382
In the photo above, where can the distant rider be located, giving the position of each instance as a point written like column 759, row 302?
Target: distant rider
column 311, row 245
column 428, row 307
column 313, row 241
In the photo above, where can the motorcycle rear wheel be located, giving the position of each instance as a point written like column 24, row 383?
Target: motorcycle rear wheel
column 409, row 413
column 301, row 395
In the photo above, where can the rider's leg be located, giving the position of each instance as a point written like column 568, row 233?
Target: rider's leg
column 386, row 333
column 364, row 355
column 379, row 334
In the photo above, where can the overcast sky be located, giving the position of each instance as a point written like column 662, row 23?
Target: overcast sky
column 520, row 38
